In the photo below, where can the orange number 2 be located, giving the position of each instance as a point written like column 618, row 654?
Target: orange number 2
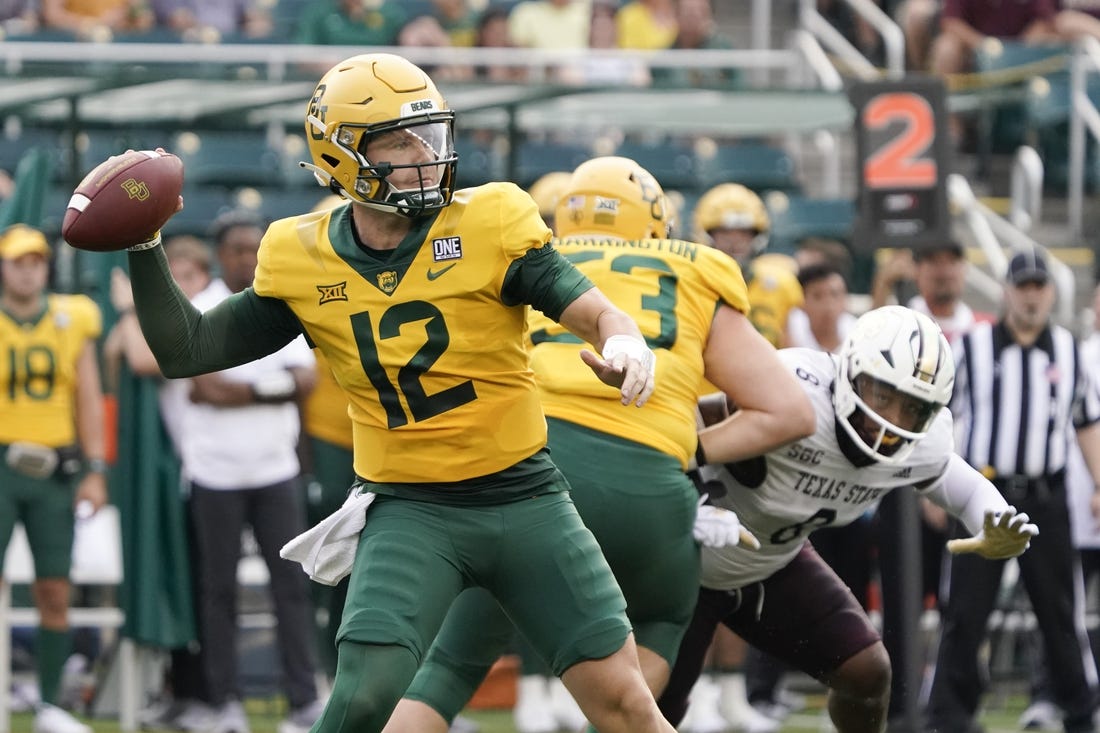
column 897, row 163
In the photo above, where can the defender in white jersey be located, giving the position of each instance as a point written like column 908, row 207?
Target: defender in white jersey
column 881, row 425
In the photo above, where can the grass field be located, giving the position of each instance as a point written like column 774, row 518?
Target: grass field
column 1000, row 717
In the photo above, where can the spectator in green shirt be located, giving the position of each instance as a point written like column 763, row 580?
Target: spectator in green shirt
column 351, row 23
column 697, row 31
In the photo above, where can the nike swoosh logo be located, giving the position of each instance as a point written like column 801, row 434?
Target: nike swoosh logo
column 433, row 274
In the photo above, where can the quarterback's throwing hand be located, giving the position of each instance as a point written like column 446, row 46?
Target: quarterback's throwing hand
column 628, row 364
column 1003, row 535
column 717, row 527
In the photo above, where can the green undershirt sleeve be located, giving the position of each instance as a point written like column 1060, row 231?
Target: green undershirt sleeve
column 187, row 342
column 545, row 280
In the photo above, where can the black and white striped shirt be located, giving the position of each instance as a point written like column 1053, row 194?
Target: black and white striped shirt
column 1016, row 408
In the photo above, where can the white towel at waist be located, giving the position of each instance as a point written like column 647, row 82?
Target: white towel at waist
column 327, row 550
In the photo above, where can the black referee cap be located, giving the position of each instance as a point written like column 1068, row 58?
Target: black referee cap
column 1028, row 266
column 946, row 245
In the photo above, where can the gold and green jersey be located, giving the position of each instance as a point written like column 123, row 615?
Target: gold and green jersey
column 325, row 412
column 38, row 360
column 671, row 288
column 773, row 292
column 427, row 339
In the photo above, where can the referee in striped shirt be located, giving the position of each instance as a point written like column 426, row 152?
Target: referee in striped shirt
column 1020, row 392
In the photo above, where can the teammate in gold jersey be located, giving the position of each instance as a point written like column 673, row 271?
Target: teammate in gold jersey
column 327, row 430
column 626, row 468
column 51, row 417
column 732, row 218
column 417, row 296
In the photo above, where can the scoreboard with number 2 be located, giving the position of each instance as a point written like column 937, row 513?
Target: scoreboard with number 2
column 902, row 149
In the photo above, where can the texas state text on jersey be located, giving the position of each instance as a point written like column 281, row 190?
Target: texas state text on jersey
column 810, row 483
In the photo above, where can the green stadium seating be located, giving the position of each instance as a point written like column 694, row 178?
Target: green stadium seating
column 200, row 205
column 229, row 158
column 1048, row 115
column 672, row 163
column 479, row 161
column 534, row 159
column 757, row 165
column 795, row 218
column 1007, row 68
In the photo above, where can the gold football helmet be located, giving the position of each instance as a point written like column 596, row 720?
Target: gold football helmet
column 613, row 196
column 732, row 206
column 894, row 374
column 546, row 191
column 386, row 103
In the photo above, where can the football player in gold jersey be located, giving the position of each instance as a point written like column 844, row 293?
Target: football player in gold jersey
column 732, row 218
column 51, row 440
column 417, row 296
column 626, row 468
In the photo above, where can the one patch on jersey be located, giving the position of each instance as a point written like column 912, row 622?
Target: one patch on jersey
column 330, row 293
column 446, row 248
column 387, row 281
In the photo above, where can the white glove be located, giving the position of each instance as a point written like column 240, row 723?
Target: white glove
column 1003, row 535
column 717, row 527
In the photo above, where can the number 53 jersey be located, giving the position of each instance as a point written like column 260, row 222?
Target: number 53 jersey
column 671, row 288
column 819, row 481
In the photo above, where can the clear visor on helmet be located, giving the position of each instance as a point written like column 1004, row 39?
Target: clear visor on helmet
column 887, row 417
column 412, row 145
column 411, row 161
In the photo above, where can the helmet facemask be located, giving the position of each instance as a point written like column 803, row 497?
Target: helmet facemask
column 887, row 440
column 894, row 373
column 414, row 166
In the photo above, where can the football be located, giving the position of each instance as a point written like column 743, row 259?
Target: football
column 123, row 201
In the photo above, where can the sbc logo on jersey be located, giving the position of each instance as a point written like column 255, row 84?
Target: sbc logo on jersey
column 330, row 293
column 446, row 248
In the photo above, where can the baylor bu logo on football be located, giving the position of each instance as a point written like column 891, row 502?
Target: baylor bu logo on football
column 135, row 189
column 330, row 293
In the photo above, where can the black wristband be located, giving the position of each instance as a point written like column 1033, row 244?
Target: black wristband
column 700, row 456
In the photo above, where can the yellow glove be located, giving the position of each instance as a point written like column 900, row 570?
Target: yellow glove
column 1002, row 536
